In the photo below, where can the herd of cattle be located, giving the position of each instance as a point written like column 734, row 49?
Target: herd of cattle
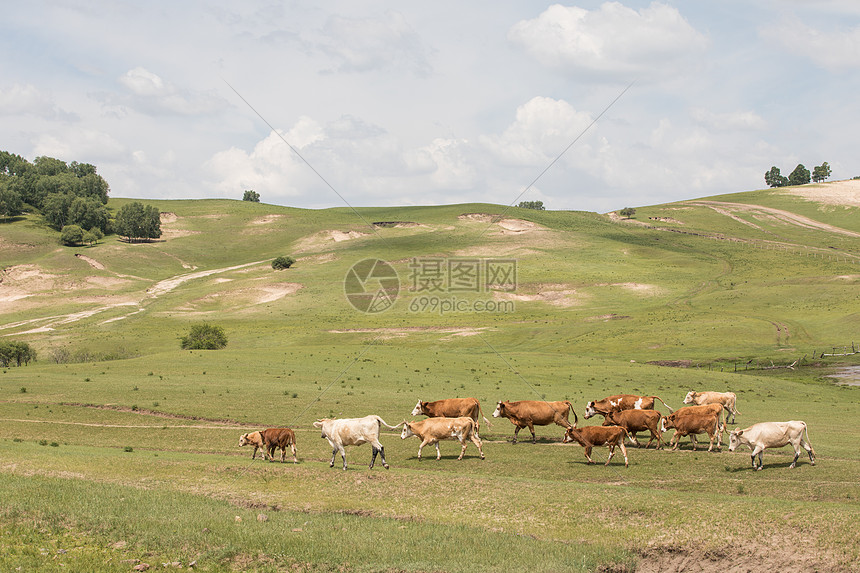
column 624, row 416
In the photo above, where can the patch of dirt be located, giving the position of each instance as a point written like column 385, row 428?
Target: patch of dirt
column 388, row 333
column 479, row 217
column 554, row 294
column 508, row 226
column 666, row 220
column 249, row 296
column 788, row 557
column 638, row 288
column 167, row 218
column 323, row 239
column 616, row 218
column 672, row 363
column 90, row 261
column 396, row 224
column 266, row 219
column 167, row 285
column 607, row 317
column 27, row 278
column 835, row 193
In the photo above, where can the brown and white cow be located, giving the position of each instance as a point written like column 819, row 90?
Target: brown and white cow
column 765, row 435
column 694, row 420
column 353, row 432
column 531, row 413
column 253, row 439
column 637, row 421
column 431, row 430
column 269, row 440
column 451, row 408
column 621, row 402
column 726, row 399
column 591, row 436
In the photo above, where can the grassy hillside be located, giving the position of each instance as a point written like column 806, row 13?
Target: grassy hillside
column 144, row 434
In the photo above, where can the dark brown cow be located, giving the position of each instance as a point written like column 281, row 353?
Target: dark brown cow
column 452, row 408
column 637, row 421
column 269, row 440
column 694, row 420
column 591, row 436
column 622, row 402
column 531, row 413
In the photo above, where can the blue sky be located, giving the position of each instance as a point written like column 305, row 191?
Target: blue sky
column 416, row 103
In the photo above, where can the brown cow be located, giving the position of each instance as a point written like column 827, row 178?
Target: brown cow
column 637, row 421
column 622, row 402
column 269, row 440
column 451, row 408
column 531, row 413
column 726, row 399
column 591, row 436
column 431, row 430
column 694, row 420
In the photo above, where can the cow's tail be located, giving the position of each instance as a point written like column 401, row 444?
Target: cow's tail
column 386, row 424
column 481, row 411
column 575, row 418
column 806, row 431
column 668, row 407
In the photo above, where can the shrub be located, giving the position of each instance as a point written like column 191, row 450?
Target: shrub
column 72, row 235
column 283, row 263
column 204, row 337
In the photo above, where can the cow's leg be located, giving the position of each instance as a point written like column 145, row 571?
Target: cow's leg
column 611, row 453
column 343, row 457
column 624, row 451
column 378, row 449
column 463, row 451
column 694, row 441
column 421, row 447
column 334, row 451
column 516, row 432
column 635, row 440
column 675, row 440
column 439, row 453
column 588, row 454
column 532, row 430
column 254, row 455
column 293, row 450
column 373, row 457
column 808, row 447
column 477, row 441
column 758, row 452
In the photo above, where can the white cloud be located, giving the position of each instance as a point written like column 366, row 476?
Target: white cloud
column 27, row 99
column 837, row 48
column 149, row 93
column 612, row 39
column 79, row 144
column 740, row 120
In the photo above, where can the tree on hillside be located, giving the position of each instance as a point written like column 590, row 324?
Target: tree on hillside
column 10, row 201
column 800, row 175
column 72, row 235
column 280, row 263
column 536, row 205
column 820, row 173
column 251, row 195
column 204, row 337
column 774, row 179
column 627, row 212
column 15, row 353
column 138, row 222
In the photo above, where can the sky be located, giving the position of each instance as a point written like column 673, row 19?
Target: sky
column 584, row 105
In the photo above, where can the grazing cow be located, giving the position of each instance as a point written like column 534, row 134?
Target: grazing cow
column 269, row 440
column 694, row 420
column 773, row 435
column 531, row 413
column 451, row 408
column 726, row 399
column 431, row 430
column 353, row 432
column 591, row 436
column 622, row 402
column 637, row 421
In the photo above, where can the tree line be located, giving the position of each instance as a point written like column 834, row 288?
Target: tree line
column 800, row 175
column 72, row 198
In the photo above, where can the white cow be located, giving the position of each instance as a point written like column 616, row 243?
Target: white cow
column 432, row 430
column 773, row 435
column 726, row 399
column 353, row 432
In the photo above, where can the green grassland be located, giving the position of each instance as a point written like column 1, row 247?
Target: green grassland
column 117, row 447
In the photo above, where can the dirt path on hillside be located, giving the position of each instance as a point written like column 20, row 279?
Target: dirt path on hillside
column 728, row 209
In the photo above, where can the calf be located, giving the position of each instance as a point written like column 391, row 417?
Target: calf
column 253, row 439
column 531, row 413
column 431, row 430
column 637, row 421
column 621, row 402
column 726, row 399
column 451, row 408
column 773, row 435
column 591, row 436
column 269, row 440
column 694, row 420
column 353, row 432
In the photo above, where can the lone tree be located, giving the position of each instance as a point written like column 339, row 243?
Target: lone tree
column 138, row 222
column 536, row 205
column 251, row 195
column 281, row 263
column 627, row 212
column 72, row 235
column 774, row 179
column 820, row 173
column 800, row 175
column 204, row 337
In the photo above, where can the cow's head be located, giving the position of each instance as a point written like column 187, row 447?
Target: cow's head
column 419, row 408
column 251, row 439
column 590, row 410
column 735, row 439
column 407, row 431
column 243, row 439
column 690, row 397
column 666, row 423
column 500, row 408
column 321, row 425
